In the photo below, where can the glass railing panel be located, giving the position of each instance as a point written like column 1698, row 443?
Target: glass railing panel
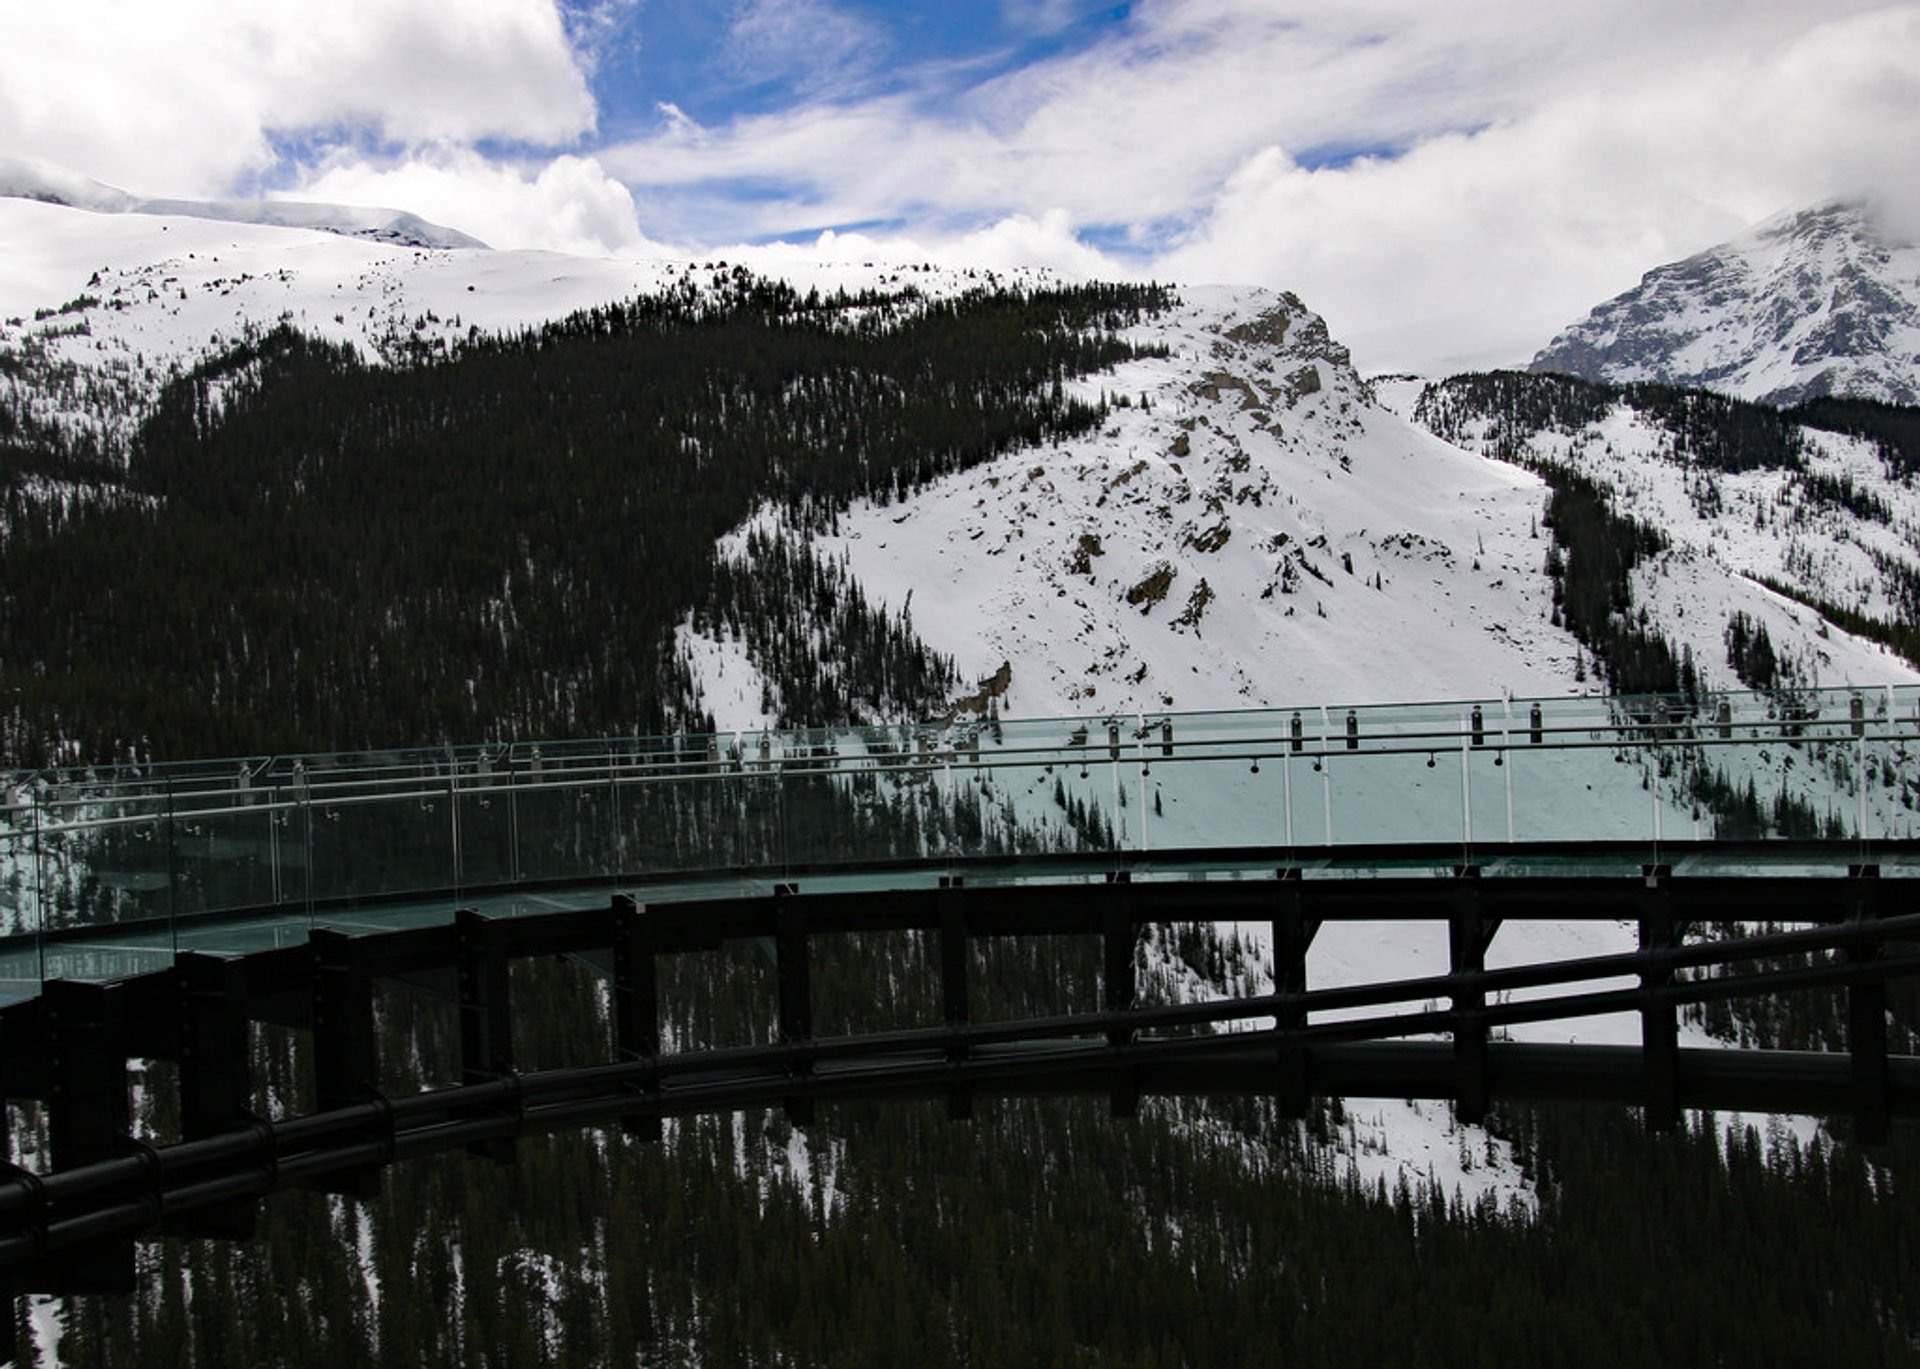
column 1489, row 793
column 1781, row 765
column 1895, row 752
column 1396, row 775
column 373, row 831
column 1211, row 780
column 818, row 823
column 227, row 849
column 18, row 882
column 103, row 854
column 1581, row 773
column 483, row 822
column 1037, row 785
column 566, row 817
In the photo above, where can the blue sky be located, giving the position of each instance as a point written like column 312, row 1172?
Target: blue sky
column 1448, row 183
column 696, row 58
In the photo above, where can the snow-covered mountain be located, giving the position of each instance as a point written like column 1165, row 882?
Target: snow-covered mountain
column 30, row 180
column 1822, row 301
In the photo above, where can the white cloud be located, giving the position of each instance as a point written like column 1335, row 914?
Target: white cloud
column 181, row 98
column 568, row 205
column 1016, row 241
column 810, row 40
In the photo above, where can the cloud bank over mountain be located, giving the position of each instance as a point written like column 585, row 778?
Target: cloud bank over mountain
column 1447, row 185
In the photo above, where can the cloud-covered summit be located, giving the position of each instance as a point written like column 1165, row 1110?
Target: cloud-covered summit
column 1812, row 302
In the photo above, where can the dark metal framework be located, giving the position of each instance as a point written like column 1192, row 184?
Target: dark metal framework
column 72, row 1229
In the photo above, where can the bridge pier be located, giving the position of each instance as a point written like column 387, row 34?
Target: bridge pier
column 1118, row 981
column 216, row 1084
column 796, row 989
column 1867, row 1019
column 955, row 954
column 341, row 1015
column 1659, row 1018
column 88, row 1120
column 1469, row 933
column 486, row 1015
column 636, row 1002
column 1293, row 934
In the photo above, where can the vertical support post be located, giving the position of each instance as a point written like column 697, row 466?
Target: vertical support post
column 344, row 1070
column 486, row 1015
column 1118, row 981
column 1468, row 935
column 796, row 989
column 636, row 1002
column 215, row 1086
column 954, row 995
column 1293, row 934
column 1659, row 1019
column 87, row 1117
column 1867, row 1019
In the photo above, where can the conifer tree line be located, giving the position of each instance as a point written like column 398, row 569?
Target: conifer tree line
column 307, row 552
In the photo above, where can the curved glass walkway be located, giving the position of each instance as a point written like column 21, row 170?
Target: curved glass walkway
column 109, row 871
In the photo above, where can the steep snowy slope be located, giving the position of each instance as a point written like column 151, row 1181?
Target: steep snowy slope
column 1249, row 529
column 1816, row 302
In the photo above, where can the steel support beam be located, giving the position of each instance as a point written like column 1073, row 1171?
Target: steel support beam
column 344, row 1061
column 87, row 1120
column 486, row 1014
column 1469, row 933
column 216, row 1085
column 636, row 1002
column 956, row 954
column 1119, row 985
column 1293, row 933
column 1867, row 1019
column 1659, row 1018
column 790, row 948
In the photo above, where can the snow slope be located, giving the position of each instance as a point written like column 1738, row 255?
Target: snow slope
column 1728, row 531
column 1250, row 529
column 1814, row 302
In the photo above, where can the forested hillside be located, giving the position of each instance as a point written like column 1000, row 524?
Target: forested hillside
column 306, row 552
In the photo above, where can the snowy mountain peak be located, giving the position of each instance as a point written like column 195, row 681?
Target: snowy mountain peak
column 48, row 184
column 1812, row 302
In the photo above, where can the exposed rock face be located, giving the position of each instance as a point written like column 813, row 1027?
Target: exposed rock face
column 1819, row 302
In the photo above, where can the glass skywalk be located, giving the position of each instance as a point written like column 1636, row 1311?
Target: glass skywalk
column 106, row 871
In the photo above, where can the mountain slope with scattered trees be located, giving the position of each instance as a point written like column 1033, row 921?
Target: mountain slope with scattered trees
column 306, row 552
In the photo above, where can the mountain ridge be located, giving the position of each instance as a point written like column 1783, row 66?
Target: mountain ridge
column 24, row 179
